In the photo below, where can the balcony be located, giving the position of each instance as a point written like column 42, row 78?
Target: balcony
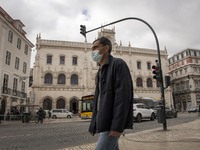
column 13, row 92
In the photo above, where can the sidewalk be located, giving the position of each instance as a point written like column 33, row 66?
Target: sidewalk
column 179, row 137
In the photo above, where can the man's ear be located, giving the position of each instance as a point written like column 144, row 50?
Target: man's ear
column 107, row 47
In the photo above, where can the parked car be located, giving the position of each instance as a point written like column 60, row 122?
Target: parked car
column 193, row 110
column 170, row 112
column 61, row 113
column 141, row 111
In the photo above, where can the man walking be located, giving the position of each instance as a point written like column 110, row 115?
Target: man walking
column 113, row 104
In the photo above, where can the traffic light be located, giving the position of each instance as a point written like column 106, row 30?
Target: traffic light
column 156, row 72
column 83, row 30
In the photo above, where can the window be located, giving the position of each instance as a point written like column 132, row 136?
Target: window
column 17, row 63
column 182, row 55
column 10, row 36
column 24, row 67
column 49, row 59
column 139, row 82
column 74, row 60
column 157, row 83
column 195, row 53
column 138, row 65
column 15, row 81
column 185, row 70
column 149, row 82
column 19, row 43
column 5, row 84
column 61, row 79
column 177, row 57
column 148, row 65
column 23, row 87
column 61, row 104
column 8, row 57
column 48, row 79
column 62, row 60
column 181, row 72
column 26, row 50
column 74, row 79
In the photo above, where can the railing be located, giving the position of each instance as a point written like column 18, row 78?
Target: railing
column 10, row 117
column 14, row 92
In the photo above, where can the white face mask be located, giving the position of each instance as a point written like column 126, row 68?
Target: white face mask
column 96, row 56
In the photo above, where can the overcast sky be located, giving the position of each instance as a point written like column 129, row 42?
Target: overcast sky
column 176, row 22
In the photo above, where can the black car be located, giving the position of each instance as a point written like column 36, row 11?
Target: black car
column 170, row 112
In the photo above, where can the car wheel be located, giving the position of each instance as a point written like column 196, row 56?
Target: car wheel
column 54, row 117
column 69, row 116
column 139, row 118
column 152, row 117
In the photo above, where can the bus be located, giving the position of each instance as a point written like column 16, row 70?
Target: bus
column 87, row 106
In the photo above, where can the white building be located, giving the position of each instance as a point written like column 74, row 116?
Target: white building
column 15, row 54
column 184, row 69
column 64, row 71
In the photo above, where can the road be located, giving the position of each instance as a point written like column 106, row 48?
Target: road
column 54, row 134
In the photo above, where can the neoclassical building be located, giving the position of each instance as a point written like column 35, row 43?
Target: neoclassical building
column 15, row 55
column 64, row 71
column 184, row 69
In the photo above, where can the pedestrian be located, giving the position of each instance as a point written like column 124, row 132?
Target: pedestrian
column 49, row 114
column 40, row 114
column 199, row 111
column 113, row 103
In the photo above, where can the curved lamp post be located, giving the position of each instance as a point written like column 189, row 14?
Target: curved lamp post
column 84, row 32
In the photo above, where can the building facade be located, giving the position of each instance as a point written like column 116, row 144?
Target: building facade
column 15, row 54
column 184, row 69
column 64, row 71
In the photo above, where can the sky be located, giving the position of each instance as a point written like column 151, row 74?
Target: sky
column 175, row 22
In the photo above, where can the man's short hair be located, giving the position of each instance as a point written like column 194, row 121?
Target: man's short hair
column 104, row 41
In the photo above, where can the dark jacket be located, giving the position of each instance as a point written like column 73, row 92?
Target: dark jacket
column 116, row 98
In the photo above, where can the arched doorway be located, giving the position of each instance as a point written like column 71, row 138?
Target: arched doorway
column 47, row 104
column 74, row 106
column 60, row 103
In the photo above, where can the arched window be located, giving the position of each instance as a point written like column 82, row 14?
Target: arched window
column 139, row 82
column 60, row 103
column 74, row 79
column 48, row 79
column 61, row 79
column 47, row 104
column 149, row 82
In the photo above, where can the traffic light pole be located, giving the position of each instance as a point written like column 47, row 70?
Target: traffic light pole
column 159, row 59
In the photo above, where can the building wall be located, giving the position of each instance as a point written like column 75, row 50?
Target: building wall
column 184, row 69
column 86, row 70
column 10, row 98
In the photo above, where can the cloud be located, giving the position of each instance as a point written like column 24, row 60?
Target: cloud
column 176, row 23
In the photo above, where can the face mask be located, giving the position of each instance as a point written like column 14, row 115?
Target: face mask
column 96, row 56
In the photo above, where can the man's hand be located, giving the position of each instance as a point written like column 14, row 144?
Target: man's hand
column 115, row 133
column 92, row 133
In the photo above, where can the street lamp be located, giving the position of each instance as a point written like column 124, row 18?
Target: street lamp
column 158, row 50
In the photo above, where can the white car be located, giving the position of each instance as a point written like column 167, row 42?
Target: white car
column 141, row 111
column 61, row 113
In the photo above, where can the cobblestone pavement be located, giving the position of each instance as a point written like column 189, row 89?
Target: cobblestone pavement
column 179, row 137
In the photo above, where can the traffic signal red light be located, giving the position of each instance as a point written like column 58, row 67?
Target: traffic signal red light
column 83, row 30
column 156, row 72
